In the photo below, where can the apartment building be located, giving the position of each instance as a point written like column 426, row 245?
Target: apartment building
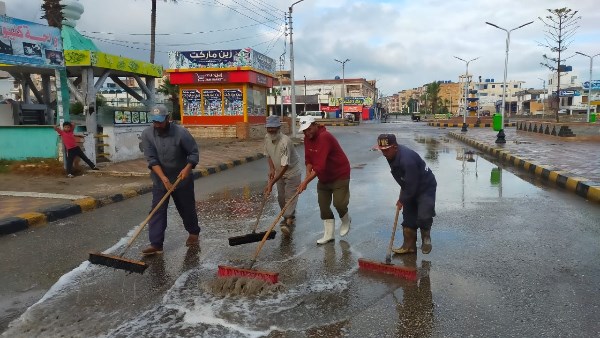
column 450, row 95
column 490, row 93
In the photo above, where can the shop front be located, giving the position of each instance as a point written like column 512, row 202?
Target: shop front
column 222, row 88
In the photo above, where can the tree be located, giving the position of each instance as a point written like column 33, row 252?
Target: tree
column 153, row 29
column 561, row 25
column 433, row 99
column 52, row 12
column 172, row 91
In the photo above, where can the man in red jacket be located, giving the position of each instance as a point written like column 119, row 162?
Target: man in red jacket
column 325, row 159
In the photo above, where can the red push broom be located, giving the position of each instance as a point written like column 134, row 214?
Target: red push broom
column 387, row 267
column 267, row 276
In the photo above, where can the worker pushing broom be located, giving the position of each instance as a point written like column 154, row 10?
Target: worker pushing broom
column 172, row 153
column 325, row 160
column 417, row 202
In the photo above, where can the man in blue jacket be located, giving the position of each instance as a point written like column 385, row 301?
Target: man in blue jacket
column 417, row 192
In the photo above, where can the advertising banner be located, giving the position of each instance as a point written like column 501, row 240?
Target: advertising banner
column 221, row 58
column 595, row 84
column 336, row 101
column 212, row 102
column 191, row 102
column 24, row 42
column 234, row 103
column 130, row 117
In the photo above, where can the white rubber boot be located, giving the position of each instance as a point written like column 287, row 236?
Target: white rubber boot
column 345, row 227
column 329, row 226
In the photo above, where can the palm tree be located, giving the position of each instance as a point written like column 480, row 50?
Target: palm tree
column 52, row 12
column 153, row 29
column 172, row 91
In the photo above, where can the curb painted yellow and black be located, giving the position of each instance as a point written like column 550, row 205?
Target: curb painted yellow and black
column 459, row 125
column 582, row 186
column 23, row 221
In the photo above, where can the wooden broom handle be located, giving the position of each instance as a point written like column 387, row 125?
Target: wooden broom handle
column 388, row 257
column 144, row 222
column 264, row 239
column 262, row 207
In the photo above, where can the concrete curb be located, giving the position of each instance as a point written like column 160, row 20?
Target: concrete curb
column 459, row 125
column 581, row 186
column 20, row 222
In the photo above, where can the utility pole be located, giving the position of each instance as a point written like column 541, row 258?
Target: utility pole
column 343, row 82
column 292, row 72
column 304, row 94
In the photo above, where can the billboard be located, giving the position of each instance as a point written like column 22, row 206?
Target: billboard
column 221, row 58
column 28, row 43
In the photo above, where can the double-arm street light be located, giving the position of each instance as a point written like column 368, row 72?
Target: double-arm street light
column 464, row 126
column 543, row 97
column 590, row 84
column 501, row 137
column 343, row 82
column 292, row 72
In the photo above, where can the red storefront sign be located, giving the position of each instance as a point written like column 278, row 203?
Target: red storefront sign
column 353, row 109
column 236, row 76
column 329, row 109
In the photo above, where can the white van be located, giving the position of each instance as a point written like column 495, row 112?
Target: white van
column 317, row 114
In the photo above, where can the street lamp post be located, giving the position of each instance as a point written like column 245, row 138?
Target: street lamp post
column 464, row 126
column 292, row 72
column 343, row 82
column 305, row 94
column 501, row 137
column 590, row 84
column 543, row 98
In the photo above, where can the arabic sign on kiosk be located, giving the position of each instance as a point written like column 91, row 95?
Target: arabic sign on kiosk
column 24, row 42
column 222, row 58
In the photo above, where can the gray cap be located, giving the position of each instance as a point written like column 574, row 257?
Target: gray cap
column 159, row 113
column 273, row 122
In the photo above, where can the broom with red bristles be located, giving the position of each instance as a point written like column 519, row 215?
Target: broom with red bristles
column 387, row 267
column 266, row 276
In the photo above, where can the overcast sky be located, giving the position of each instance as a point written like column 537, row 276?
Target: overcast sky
column 400, row 43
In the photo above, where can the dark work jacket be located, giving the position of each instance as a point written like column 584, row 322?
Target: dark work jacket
column 172, row 151
column 411, row 173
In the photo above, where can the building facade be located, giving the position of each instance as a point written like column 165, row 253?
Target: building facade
column 322, row 95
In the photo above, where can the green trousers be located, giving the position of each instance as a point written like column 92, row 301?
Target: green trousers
column 339, row 192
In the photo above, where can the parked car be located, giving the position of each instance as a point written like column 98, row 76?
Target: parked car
column 317, row 114
column 416, row 116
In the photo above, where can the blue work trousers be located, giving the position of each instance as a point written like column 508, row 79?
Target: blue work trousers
column 419, row 212
column 185, row 202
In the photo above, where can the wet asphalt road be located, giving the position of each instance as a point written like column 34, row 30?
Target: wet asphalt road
column 510, row 258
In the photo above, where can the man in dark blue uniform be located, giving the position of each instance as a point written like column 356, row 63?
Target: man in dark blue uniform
column 417, row 192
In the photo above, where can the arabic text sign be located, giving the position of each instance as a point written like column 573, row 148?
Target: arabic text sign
column 24, row 42
column 211, row 77
column 221, row 58
column 595, row 84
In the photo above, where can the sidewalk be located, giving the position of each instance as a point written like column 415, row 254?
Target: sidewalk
column 572, row 165
column 28, row 200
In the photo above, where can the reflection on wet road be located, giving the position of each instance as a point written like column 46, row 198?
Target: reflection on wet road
column 503, row 262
